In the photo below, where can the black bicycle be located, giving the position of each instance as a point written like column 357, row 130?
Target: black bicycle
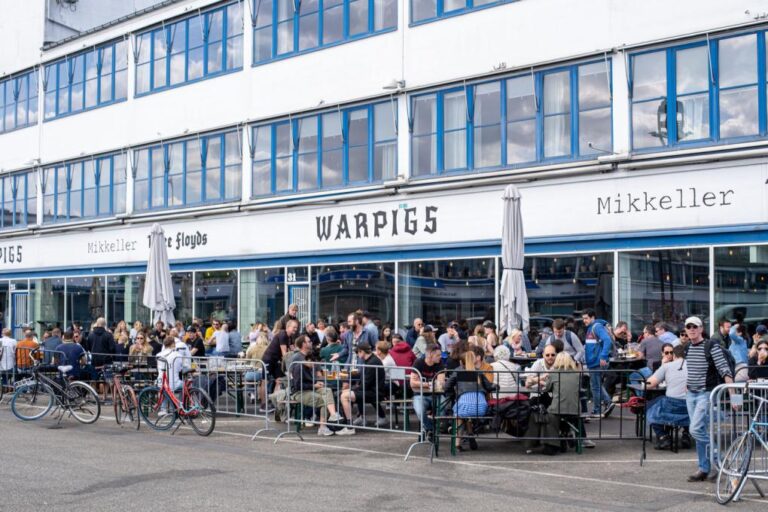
column 36, row 396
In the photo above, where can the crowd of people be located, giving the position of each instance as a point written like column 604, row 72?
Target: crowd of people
column 474, row 366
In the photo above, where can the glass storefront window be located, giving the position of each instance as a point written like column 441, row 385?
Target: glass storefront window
column 663, row 285
column 47, row 303
column 442, row 291
column 85, row 300
column 183, row 296
column 124, row 296
column 337, row 291
column 216, row 295
column 741, row 284
column 4, row 305
column 262, row 296
column 564, row 286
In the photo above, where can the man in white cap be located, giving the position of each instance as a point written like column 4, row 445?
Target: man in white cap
column 707, row 365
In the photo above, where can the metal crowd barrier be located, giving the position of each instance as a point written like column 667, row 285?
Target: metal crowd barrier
column 521, row 408
column 324, row 386
column 732, row 410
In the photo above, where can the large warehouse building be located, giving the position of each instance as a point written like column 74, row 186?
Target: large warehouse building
column 352, row 153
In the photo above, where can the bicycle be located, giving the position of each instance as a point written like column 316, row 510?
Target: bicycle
column 735, row 464
column 123, row 396
column 36, row 396
column 160, row 408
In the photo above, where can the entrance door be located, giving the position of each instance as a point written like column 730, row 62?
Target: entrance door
column 19, row 313
column 299, row 294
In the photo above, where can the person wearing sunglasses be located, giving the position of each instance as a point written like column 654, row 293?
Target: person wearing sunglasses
column 707, row 368
column 668, row 410
column 758, row 363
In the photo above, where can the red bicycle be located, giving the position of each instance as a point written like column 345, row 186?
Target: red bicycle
column 161, row 408
column 123, row 396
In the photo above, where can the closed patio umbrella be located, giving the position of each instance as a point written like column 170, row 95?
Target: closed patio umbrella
column 158, row 290
column 514, row 298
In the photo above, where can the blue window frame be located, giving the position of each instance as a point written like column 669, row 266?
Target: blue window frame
column 202, row 45
column 197, row 170
column 547, row 116
column 84, row 189
column 424, row 11
column 282, row 28
column 700, row 93
column 86, row 80
column 344, row 147
column 18, row 101
column 19, row 200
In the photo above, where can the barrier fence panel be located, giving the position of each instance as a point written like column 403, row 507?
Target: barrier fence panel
column 537, row 407
column 736, row 410
column 344, row 398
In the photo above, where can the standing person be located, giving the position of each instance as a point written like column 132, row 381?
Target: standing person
column 221, row 339
column 571, row 343
column 722, row 336
column 277, row 349
column 282, row 322
column 707, row 364
column 414, row 332
column 662, row 332
column 491, row 336
column 235, row 340
column 100, row 344
column 596, row 355
column 738, row 349
column 50, row 344
column 24, row 349
column 210, row 336
column 356, row 335
column 450, row 337
column 311, row 332
column 370, row 326
column 8, row 356
column 320, row 329
column 386, row 334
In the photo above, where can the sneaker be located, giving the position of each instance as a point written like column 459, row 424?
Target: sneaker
column 346, row 431
column 162, row 414
column 334, row 418
column 266, row 410
column 308, row 424
column 358, row 422
column 324, row 431
column 588, row 443
column 663, row 443
column 609, row 410
column 382, row 422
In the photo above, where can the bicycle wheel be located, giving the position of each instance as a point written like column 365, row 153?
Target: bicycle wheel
column 734, row 467
column 158, row 411
column 126, row 407
column 32, row 401
column 203, row 417
column 83, row 403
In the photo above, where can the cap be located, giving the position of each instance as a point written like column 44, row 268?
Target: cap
column 428, row 328
column 453, row 325
column 761, row 329
column 694, row 320
column 488, row 324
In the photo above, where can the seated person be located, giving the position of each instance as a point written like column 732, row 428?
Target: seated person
column 670, row 409
column 758, row 362
column 516, row 344
column 506, row 373
column 470, row 386
column 370, row 389
column 70, row 353
column 428, row 369
column 404, row 358
column 562, row 384
column 537, row 373
column 457, row 354
column 309, row 391
column 333, row 346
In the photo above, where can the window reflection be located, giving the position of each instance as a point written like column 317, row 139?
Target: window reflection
column 741, row 284
column 340, row 290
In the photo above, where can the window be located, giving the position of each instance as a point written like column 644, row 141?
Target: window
column 704, row 92
column 288, row 27
column 196, row 170
column 86, row 80
column 84, row 189
column 19, row 200
column 349, row 146
column 203, row 45
column 430, row 10
column 18, row 101
column 552, row 115
column 741, row 284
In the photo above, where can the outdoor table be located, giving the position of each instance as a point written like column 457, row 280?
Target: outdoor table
column 648, row 393
column 627, row 363
column 523, row 360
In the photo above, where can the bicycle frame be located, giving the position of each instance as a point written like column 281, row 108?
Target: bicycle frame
column 754, row 423
column 170, row 394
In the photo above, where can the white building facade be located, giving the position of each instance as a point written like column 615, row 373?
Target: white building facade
column 346, row 154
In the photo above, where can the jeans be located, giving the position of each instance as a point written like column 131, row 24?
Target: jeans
column 698, row 411
column 422, row 404
column 599, row 394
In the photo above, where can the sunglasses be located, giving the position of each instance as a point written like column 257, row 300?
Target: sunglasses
column 668, row 353
column 549, row 355
column 691, row 326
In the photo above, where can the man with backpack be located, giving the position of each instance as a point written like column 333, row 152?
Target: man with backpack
column 596, row 354
column 708, row 365
column 571, row 343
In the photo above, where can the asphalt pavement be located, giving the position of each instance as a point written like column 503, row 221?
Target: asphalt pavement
column 106, row 467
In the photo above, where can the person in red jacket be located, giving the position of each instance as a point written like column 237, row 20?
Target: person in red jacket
column 403, row 355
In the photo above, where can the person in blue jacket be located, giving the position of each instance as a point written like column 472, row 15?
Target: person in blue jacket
column 739, row 350
column 597, row 351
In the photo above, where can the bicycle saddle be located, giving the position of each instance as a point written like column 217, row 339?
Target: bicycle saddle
column 65, row 369
column 186, row 371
